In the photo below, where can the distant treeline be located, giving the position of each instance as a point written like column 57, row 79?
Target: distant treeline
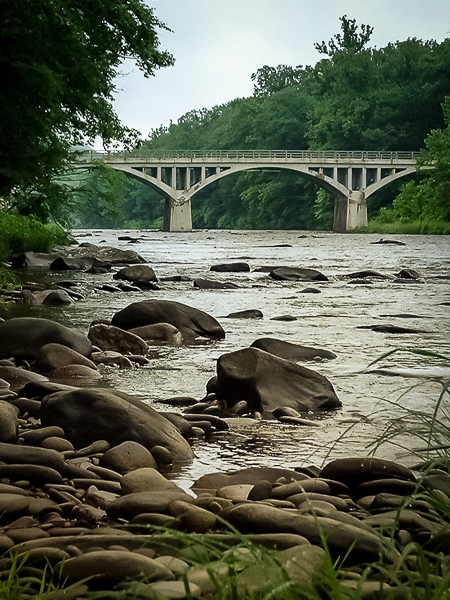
column 354, row 98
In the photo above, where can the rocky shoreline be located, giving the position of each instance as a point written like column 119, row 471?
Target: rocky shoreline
column 85, row 496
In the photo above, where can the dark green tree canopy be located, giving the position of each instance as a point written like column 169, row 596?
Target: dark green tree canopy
column 351, row 40
column 58, row 61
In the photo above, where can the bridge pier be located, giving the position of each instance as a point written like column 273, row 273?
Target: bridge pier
column 350, row 212
column 177, row 214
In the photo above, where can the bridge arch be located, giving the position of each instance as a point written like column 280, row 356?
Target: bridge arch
column 351, row 176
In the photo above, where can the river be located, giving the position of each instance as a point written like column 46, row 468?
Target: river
column 331, row 319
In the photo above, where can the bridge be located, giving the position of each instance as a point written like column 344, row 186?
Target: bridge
column 351, row 176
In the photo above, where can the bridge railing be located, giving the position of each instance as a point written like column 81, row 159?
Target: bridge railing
column 338, row 155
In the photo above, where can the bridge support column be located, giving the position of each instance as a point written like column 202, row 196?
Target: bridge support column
column 177, row 214
column 350, row 212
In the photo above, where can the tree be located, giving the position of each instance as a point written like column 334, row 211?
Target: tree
column 270, row 80
column 58, row 61
column 429, row 199
column 350, row 41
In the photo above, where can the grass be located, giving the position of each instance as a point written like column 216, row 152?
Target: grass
column 428, row 227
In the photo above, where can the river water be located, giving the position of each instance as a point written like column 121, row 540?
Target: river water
column 332, row 319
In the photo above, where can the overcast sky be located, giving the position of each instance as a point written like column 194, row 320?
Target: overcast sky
column 218, row 44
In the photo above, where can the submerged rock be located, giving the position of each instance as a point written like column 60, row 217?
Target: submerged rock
column 266, row 382
column 297, row 274
column 23, row 337
column 191, row 322
column 291, row 351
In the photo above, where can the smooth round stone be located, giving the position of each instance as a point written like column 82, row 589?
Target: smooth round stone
column 30, row 473
column 131, row 505
column 157, row 520
column 13, row 503
column 113, row 565
column 9, row 422
column 299, row 499
column 318, row 507
column 236, row 492
column 353, row 471
column 146, row 480
column 5, row 543
column 127, row 457
column 13, row 453
column 176, row 565
column 6, row 488
column 34, row 437
column 57, row 443
column 163, row 456
column 195, row 519
column 261, row 490
column 297, row 487
column 26, row 534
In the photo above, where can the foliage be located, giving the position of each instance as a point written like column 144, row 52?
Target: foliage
column 427, row 201
column 58, row 61
column 350, row 41
column 27, row 233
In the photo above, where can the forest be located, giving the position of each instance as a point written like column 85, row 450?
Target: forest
column 355, row 98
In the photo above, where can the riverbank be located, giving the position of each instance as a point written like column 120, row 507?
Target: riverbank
column 325, row 507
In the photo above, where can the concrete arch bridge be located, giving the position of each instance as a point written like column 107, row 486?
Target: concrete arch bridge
column 352, row 177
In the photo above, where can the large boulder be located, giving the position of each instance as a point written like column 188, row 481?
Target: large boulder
column 136, row 273
column 297, row 274
column 108, row 254
column 23, row 337
column 267, row 382
column 90, row 415
column 53, row 356
column 191, row 322
column 108, row 337
column 291, row 351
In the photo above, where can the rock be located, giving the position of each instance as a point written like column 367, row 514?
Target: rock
column 136, row 274
column 290, row 351
column 364, row 274
column 15, row 454
column 354, row 471
column 195, row 519
column 208, row 284
column 340, row 536
column 53, row 356
column 407, row 274
column 388, row 328
column 147, row 479
column 191, row 322
column 23, row 337
column 109, row 337
column 52, row 298
column 112, row 565
column 266, row 382
column 18, row 377
column 89, row 415
column 66, row 263
column 34, row 437
column 127, row 456
column 75, row 372
column 162, row 456
column 246, row 314
column 159, row 333
column 394, row 242
column 13, row 503
column 9, row 423
column 252, row 475
column 33, row 259
column 111, row 358
column 231, row 268
column 108, row 254
column 297, row 274
column 138, row 503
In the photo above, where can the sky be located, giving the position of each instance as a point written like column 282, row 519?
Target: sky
column 218, row 44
